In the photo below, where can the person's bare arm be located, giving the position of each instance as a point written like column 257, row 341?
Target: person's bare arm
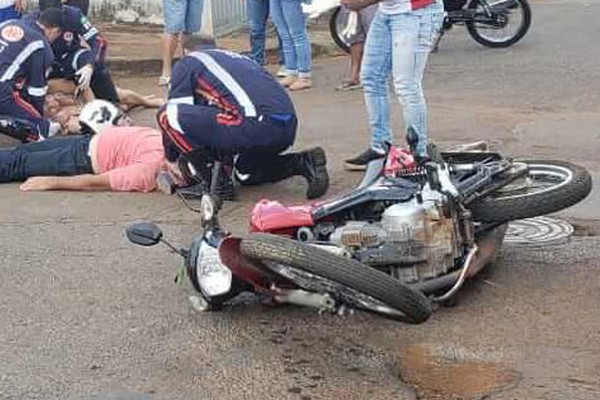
column 86, row 182
column 356, row 5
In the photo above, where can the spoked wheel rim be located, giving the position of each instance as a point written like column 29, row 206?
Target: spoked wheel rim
column 540, row 178
column 346, row 295
column 507, row 23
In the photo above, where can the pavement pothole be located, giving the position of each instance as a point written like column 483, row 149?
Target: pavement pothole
column 452, row 374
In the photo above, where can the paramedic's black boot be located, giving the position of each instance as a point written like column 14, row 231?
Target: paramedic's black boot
column 312, row 165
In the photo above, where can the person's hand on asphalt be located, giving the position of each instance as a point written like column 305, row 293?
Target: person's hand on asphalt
column 84, row 77
column 36, row 183
column 20, row 5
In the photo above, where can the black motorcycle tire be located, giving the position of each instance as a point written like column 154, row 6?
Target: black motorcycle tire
column 333, row 30
column 503, row 209
column 526, row 23
column 352, row 274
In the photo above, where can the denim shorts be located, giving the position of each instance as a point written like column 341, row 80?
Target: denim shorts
column 182, row 15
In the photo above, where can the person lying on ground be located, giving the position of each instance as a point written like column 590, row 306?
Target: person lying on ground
column 25, row 56
column 112, row 156
column 227, row 104
column 80, row 52
column 62, row 105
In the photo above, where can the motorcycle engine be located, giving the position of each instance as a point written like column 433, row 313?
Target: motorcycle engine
column 412, row 242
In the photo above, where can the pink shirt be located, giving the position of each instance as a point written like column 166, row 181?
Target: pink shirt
column 132, row 156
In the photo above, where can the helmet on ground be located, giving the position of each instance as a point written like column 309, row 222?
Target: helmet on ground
column 97, row 115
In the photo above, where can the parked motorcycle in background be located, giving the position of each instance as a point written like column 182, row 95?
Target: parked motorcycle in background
column 492, row 23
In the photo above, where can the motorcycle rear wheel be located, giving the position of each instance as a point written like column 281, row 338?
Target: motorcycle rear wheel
column 361, row 286
column 549, row 186
column 479, row 31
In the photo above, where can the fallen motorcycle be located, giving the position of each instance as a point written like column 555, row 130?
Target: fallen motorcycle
column 409, row 230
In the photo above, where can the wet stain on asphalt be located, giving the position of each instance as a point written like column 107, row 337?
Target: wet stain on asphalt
column 436, row 373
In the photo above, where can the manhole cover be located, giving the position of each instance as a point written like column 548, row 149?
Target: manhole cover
column 539, row 231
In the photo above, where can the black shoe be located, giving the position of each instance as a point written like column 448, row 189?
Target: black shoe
column 314, row 166
column 359, row 163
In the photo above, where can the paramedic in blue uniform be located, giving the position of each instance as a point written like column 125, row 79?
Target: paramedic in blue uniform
column 227, row 103
column 25, row 58
column 74, row 61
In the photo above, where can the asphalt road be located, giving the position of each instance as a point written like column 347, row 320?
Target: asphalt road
column 85, row 315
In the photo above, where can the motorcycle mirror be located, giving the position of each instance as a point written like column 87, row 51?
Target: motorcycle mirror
column 144, row 233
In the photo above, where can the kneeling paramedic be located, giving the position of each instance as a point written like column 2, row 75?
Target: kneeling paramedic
column 25, row 58
column 80, row 53
column 222, row 103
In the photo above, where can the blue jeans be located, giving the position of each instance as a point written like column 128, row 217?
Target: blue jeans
column 258, row 14
column 290, row 22
column 399, row 44
column 182, row 16
column 66, row 156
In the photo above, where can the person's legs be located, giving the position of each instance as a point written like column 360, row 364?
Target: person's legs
column 193, row 16
column 174, row 13
column 413, row 37
column 376, row 67
column 289, row 51
column 296, row 22
column 53, row 157
column 258, row 12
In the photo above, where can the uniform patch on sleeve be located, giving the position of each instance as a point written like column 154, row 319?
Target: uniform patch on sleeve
column 12, row 33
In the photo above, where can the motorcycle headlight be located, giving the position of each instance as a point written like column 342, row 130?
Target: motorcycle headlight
column 207, row 206
column 213, row 277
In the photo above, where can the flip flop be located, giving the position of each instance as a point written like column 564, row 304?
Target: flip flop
column 346, row 86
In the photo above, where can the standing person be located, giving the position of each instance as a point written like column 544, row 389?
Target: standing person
column 222, row 102
column 182, row 18
column 399, row 40
column 25, row 57
column 290, row 22
column 357, row 44
column 258, row 15
column 11, row 9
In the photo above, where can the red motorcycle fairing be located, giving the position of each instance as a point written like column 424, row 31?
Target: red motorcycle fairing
column 269, row 216
column 244, row 269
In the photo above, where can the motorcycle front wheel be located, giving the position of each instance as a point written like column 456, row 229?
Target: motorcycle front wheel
column 549, row 186
column 499, row 23
column 349, row 281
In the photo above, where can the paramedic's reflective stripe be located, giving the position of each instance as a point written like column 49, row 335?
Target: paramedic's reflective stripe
column 182, row 100
column 172, row 117
column 230, row 83
column 20, row 59
column 78, row 54
column 91, row 33
column 38, row 92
